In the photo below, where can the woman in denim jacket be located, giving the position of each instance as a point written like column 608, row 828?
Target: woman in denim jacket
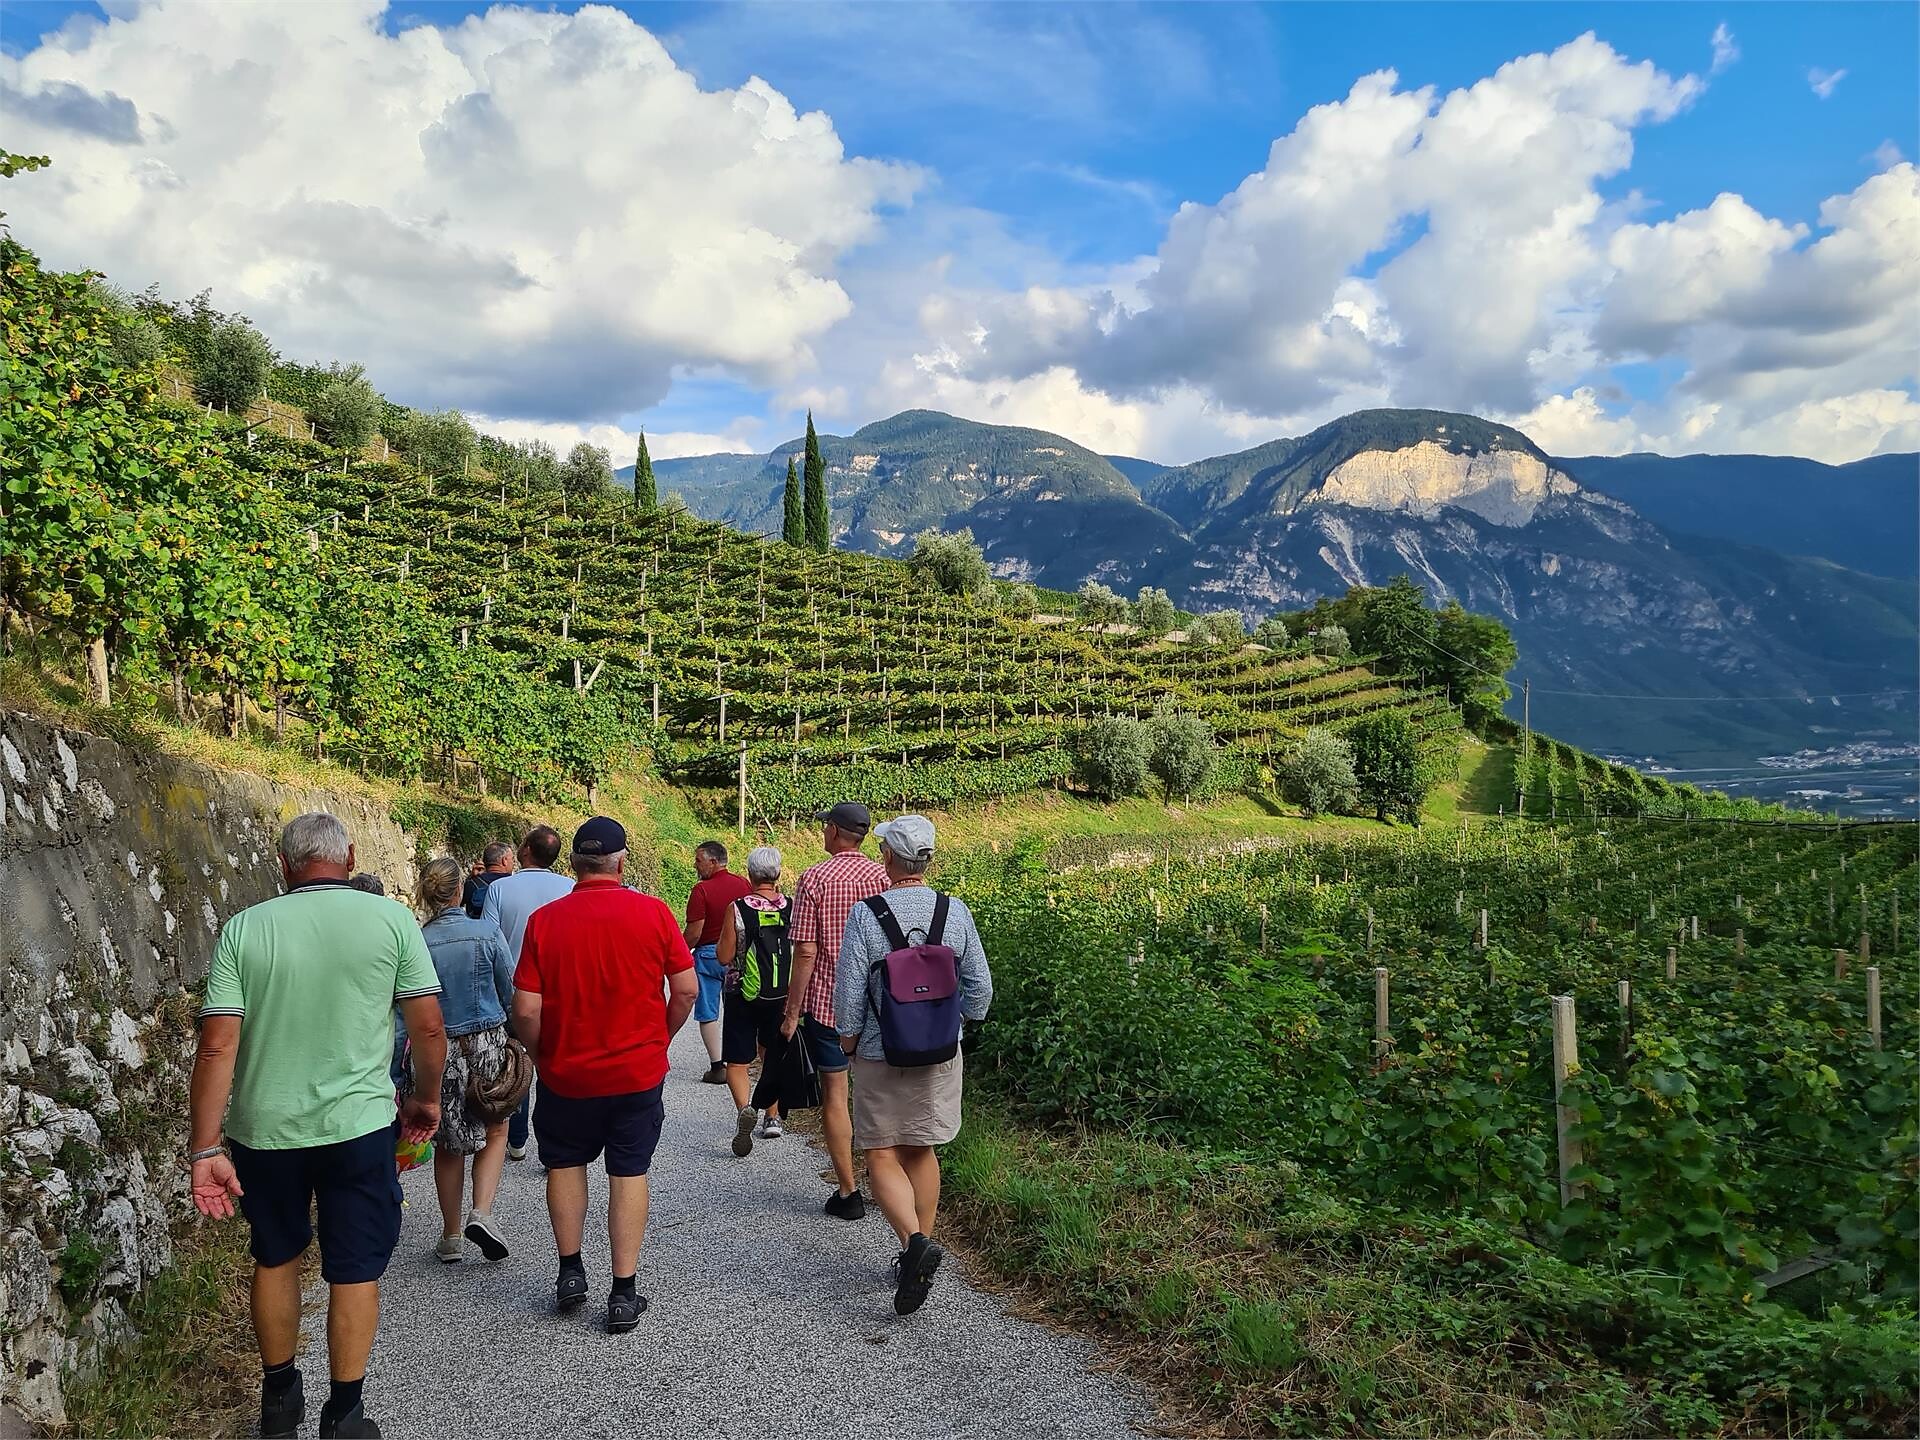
column 476, row 992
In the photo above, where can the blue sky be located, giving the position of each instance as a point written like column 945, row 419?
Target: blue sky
column 1051, row 146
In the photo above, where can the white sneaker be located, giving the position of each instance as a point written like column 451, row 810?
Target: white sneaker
column 770, row 1128
column 516, row 1152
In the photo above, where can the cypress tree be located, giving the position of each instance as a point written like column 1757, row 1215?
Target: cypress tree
column 817, row 535
column 793, row 529
column 645, row 495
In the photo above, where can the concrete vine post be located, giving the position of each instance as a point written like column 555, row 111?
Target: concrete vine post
column 1566, row 1061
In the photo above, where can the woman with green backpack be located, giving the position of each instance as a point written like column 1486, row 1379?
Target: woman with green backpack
column 756, row 946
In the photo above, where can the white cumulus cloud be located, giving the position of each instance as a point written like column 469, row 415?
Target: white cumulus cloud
column 522, row 213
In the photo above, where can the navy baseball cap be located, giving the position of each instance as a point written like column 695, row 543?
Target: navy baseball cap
column 600, row 836
column 849, row 816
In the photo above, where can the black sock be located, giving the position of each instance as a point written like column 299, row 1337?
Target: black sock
column 623, row 1284
column 278, row 1379
column 572, row 1262
column 343, row 1396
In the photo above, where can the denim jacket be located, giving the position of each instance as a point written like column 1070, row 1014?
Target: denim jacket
column 476, row 972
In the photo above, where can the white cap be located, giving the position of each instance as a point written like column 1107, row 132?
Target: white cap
column 910, row 837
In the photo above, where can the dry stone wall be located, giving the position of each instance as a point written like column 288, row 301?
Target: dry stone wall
column 117, row 868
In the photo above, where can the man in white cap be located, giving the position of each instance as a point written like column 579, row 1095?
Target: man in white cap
column 901, row 1111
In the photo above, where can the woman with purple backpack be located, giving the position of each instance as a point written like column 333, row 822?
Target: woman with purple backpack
column 911, row 970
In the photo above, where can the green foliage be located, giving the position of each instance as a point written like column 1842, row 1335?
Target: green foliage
column 443, row 443
column 587, row 473
column 793, row 523
column 1471, row 655
column 232, row 372
column 1331, row 641
column 1227, row 627
column 953, row 562
column 347, row 410
column 1272, row 632
column 1019, row 601
column 819, row 523
column 1153, row 611
column 1180, row 751
column 646, row 495
column 1317, row 773
column 1110, row 757
column 80, row 1265
column 1100, row 606
column 12, row 164
column 1386, row 765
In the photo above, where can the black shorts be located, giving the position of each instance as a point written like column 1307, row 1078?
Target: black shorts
column 357, row 1190
column 746, row 1025
column 573, row 1132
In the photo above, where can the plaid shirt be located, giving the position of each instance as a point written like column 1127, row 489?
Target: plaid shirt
column 821, row 902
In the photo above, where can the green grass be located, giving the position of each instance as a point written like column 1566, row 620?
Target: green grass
column 186, row 1364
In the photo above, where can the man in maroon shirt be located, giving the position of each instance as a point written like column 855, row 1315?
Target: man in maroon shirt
column 604, row 982
column 707, row 905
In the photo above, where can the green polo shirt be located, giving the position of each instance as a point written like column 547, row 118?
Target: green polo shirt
column 314, row 974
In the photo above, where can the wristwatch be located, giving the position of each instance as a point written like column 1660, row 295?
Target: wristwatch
column 212, row 1150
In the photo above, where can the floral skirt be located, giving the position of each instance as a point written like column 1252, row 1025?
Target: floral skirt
column 482, row 1053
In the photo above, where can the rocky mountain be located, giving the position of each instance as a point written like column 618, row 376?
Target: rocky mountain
column 1693, row 650
column 1865, row 516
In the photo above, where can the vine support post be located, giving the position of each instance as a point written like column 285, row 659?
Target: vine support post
column 1566, row 1060
column 723, row 719
column 1696, row 927
column 1866, row 950
column 741, row 825
column 1483, row 927
column 1873, row 1005
column 656, row 702
column 1381, row 1040
column 1673, row 962
column 1839, row 964
column 99, row 687
column 1263, row 928
column 1626, row 1018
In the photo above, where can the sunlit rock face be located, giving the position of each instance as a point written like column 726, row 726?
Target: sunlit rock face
column 1504, row 486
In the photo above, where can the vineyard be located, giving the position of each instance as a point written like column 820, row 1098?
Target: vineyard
column 1727, row 1120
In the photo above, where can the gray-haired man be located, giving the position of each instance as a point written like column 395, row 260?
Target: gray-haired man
column 295, row 1042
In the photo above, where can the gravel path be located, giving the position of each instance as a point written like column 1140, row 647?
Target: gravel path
column 766, row 1318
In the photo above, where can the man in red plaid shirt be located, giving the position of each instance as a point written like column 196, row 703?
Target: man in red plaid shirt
column 821, row 901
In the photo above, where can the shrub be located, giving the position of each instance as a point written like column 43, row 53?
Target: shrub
column 1153, row 610
column 439, row 443
column 1317, row 773
column 1331, row 640
column 233, row 371
column 1228, row 627
column 587, row 473
column 1180, row 750
column 347, row 409
column 1386, row 763
column 1272, row 632
column 953, row 562
column 1110, row 757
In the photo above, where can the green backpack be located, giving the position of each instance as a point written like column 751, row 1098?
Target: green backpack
column 764, row 961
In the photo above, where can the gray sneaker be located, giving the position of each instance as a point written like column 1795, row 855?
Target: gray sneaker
column 481, row 1231
column 450, row 1251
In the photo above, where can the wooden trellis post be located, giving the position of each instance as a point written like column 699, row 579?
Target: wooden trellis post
column 741, row 826
column 1673, row 962
column 1873, row 1005
column 1566, row 1060
column 1626, row 1018
column 1866, row 949
column 1483, row 927
column 1381, row 1039
column 1839, row 964
column 656, row 702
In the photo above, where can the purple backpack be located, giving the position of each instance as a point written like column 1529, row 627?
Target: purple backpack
column 919, row 996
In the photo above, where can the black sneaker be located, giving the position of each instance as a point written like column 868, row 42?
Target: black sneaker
column 281, row 1414
column 743, row 1131
column 624, row 1309
column 847, row 1207
column 716, row 1074
column 914, row 1269
column 571, row 1290
column 356, row 1423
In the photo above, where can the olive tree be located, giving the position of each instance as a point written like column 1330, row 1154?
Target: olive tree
column 347, row 410
column 1180, row 750
column 952, row 561
column 1153, row 610
column 1317, row 772
column 1100, row 606
column 1110, row 757
column 1331, row 640
column 233, row 371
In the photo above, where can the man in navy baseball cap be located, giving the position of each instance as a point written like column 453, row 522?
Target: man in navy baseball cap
column 603, row 983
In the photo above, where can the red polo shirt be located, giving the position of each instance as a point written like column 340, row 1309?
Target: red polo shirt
column 599, row 958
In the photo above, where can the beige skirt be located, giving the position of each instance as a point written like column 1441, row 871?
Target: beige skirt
column 915, row 1106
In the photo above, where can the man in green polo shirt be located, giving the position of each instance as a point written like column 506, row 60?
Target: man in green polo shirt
column 296, row 1037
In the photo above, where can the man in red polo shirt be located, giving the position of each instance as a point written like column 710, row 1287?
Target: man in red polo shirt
column 604, row 982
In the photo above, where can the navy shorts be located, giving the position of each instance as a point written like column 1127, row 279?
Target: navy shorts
column 824, row 1042
column 353, row 1184
column 574, row 1132
column 747, row 1025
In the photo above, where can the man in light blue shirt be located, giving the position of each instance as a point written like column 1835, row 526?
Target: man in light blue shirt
column 509, row 901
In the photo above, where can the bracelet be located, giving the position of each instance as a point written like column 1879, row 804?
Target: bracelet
column 198, row 1155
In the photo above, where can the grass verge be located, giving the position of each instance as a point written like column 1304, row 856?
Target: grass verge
column 186, row 1364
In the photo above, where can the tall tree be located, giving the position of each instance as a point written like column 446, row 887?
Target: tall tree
column 817, row 522
column 645, row 496
column 793, row 529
